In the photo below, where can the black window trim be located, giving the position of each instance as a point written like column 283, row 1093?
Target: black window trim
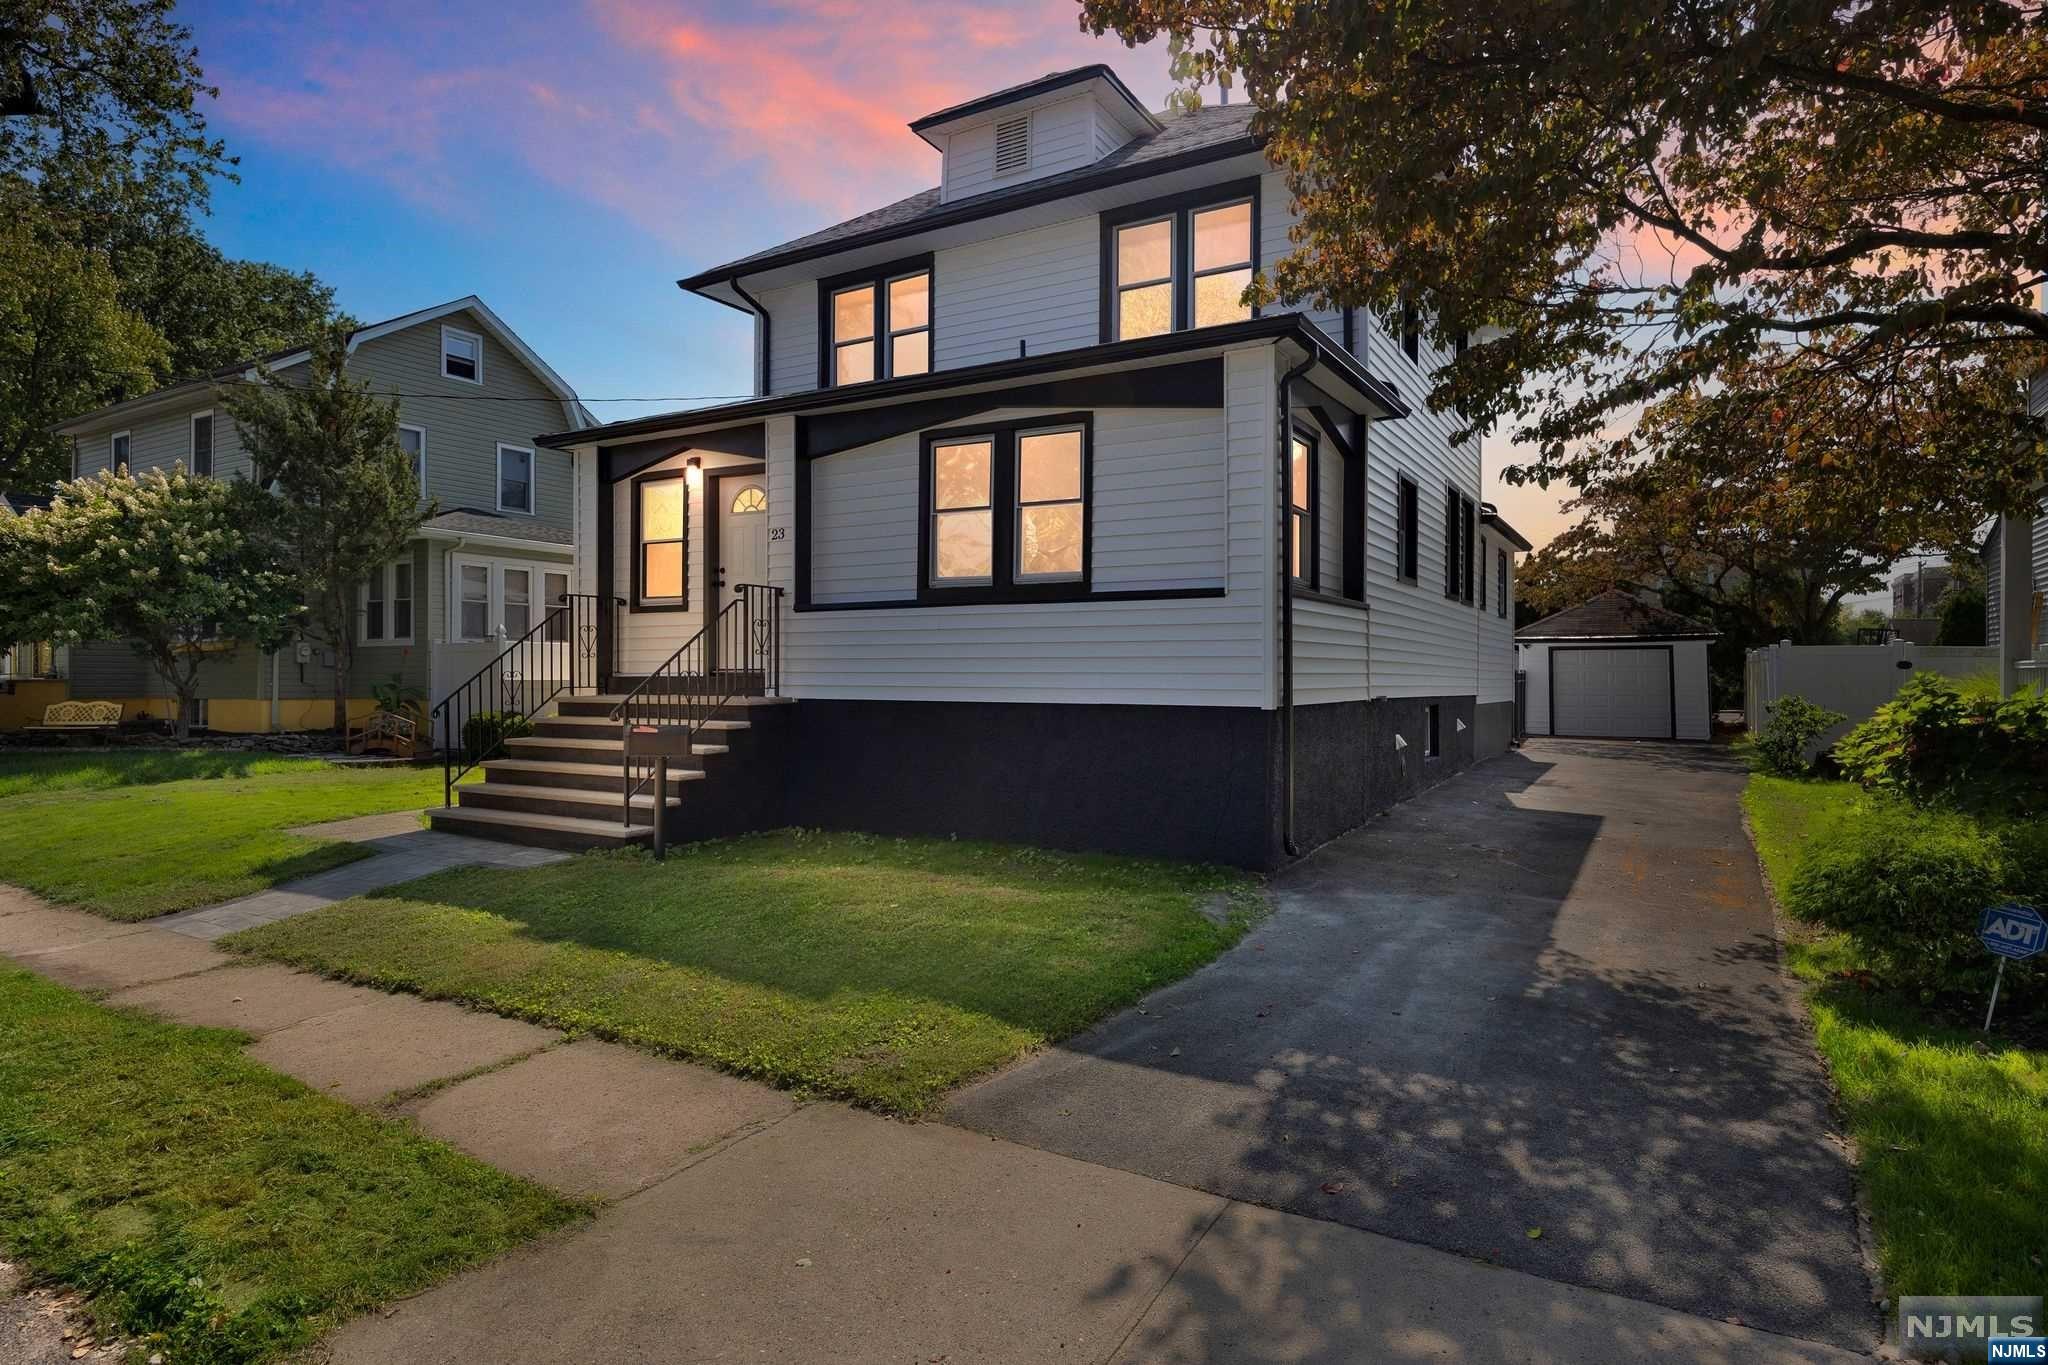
column 1500, row 581
column 639, row 602
column 1407, row 529
column 877, row 278
column 1312, row 538
column 1181, row 209
column 192, row 443
column 1468, row 535
column 1004, row 587
column 1482, row 575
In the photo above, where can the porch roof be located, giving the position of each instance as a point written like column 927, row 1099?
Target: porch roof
column 1336, row 366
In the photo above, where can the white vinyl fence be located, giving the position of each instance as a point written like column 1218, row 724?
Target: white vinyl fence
column 1852, row 679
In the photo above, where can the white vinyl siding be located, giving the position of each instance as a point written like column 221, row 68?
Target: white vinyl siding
column 1331, row 652
column 1036, row 287
column 1496, row 663
column 793, row 336
column 1183, row 498
column 1062, row 139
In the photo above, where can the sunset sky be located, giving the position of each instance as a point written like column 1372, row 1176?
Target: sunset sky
column 569, row 163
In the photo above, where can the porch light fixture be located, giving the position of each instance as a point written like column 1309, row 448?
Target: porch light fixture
column 693, row 472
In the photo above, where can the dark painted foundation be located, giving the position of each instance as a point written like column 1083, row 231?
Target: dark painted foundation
column 1197, row 783
column 1493, row 728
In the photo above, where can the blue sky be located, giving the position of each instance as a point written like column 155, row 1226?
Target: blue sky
column 569, row 163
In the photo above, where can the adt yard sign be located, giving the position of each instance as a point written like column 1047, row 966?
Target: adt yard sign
column 2014, row 931
column 2011, row 931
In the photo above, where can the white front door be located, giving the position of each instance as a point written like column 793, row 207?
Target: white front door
column 742, row 535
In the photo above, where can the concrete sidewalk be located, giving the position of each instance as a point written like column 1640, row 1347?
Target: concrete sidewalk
column 748, row 1226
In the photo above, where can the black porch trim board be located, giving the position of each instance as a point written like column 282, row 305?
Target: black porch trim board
column 622, row 462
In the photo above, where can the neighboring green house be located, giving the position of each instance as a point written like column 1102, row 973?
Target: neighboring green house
column 470, row 397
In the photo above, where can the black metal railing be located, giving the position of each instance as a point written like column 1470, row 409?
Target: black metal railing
column 738, row 653
column 559, row 655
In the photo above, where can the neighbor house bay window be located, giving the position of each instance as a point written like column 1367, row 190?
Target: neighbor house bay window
column 1006, row 511
column 879, row 325
column 1178, row 263
column 475, row 589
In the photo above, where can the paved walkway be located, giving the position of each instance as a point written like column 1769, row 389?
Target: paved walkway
column 403, row 851
column 742, row 1224
column 1544, row 995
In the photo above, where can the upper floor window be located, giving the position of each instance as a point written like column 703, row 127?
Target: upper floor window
column 413, row 441
column 462, row 355
column 201, row 461
column 117, row 450
column 1179, row 263
column 515, row 479
column 879, row 324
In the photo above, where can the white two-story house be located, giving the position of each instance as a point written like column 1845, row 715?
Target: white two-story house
column 482, row 570
column 1056, row 540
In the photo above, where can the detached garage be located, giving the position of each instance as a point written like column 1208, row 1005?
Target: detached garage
column 1616, row 668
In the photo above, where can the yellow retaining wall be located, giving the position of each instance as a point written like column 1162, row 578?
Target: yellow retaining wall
column 226, row 715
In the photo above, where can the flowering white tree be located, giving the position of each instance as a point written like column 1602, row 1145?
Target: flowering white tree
column 180, row 567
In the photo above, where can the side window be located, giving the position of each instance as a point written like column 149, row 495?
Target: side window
column 462, row 355
column 1482, row 573
column 515, row 479
column 1301, row 510
column 201, row 461
column 117, row 451
column 1408, row 530
column 1452, row 554
column 413, row 441
column 1411, row 330
column 1468, row 523
column 1500, row 583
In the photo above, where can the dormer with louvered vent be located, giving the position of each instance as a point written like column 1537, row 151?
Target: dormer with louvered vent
column 1061, row 122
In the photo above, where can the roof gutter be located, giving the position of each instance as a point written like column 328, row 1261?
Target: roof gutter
column 1283, row 432
column 767, row 335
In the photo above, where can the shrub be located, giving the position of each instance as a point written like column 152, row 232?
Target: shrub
column 484, row 734
column 1794, row 724
column 1936, row 742
column 1907, row 885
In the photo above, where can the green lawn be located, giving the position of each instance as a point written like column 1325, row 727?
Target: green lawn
column 1951, row 1134
column 879, row 970
column 223, row 1212
column 132, row 835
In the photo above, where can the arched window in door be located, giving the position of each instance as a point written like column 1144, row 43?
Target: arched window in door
column 750, row 499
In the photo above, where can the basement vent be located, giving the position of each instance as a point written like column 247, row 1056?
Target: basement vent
column 1013, row 144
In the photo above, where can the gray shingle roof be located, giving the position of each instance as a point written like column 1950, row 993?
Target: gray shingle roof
column 1213, row 127
column 467, row 521
column 1615, row 615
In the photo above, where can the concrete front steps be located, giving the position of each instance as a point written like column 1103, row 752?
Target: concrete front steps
column 563, row 786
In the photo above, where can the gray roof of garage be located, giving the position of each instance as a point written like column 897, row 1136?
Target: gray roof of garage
column 1616, row 615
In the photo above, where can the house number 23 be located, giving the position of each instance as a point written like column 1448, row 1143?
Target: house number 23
column 778, row 533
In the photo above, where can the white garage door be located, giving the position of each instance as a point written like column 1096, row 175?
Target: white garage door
column 1611, row 693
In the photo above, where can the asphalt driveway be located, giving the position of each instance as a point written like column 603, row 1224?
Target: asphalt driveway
column 1534, row 1016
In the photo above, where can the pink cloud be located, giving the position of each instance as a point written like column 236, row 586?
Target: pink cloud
column 643, row 107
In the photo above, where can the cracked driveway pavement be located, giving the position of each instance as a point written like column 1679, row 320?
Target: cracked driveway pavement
column 1533, row 1016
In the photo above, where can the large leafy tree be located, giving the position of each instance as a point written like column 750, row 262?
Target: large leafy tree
column 348, row 501
column 64, row 340
column 1638, row 193
column 180, row 567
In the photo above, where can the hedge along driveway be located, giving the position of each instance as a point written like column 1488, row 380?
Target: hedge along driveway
column 1951, row 1131
column 132, row 836
column 878, row 970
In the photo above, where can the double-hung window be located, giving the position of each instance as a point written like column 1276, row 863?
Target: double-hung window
column 201, row 461
column 1460, row 516
column 494, row 599
column 1006, row 511
column 473, row 598
column 1301, row 510
column 413, row 441
column 387, row 604
column 1178, row 263
column 515, row 479
column 462, row 355
column 117, row 451
column 661, row 521
column 879, row 324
